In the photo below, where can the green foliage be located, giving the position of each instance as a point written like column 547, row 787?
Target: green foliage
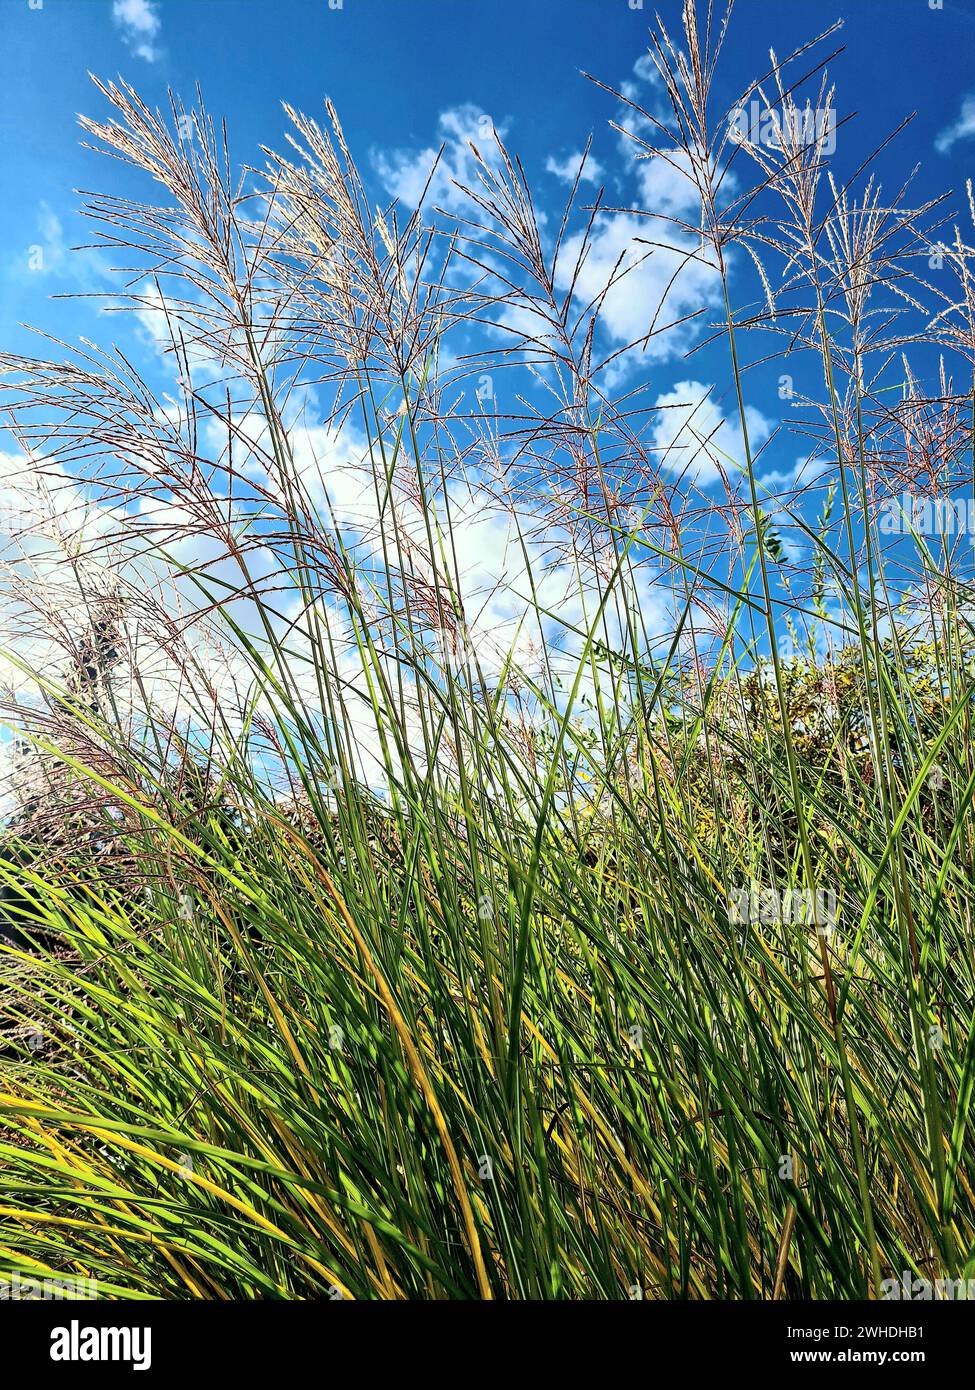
column 488, row 1021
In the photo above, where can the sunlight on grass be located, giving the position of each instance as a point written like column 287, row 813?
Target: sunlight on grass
column 601, row 932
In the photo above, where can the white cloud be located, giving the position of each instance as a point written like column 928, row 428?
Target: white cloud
column 152, row 319
column 405, row 172
column 692, row 435
column 667, row 185
column 489, row 539
column 50, row 254
column 46, row 255
column 566, row 169
column 633, row 123
column 49, row 225
column 652, row 286
column 805, row 471
column 82, row 547
column 159, row 319
column 653, row 101
column 646, row 70
column 139, row 23
column 961, row 129
column 332, row 464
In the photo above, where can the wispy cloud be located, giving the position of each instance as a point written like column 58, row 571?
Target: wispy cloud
column 647, row 274
column 961, row 129
column 649, row 287
column 696, row 441
column 405, row 172
column 48, row 254
column 566, row 169
column 646, row 94
column 646, row 70
column 139, row 23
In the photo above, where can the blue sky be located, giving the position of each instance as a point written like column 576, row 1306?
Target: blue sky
column 405, row 75
column 393, row 67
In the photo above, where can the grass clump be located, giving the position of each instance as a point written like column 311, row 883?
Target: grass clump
column 376, row 935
